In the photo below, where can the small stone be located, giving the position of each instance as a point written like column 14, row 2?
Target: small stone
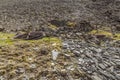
column 117, row 57
column 55, row 54
column 44, row 51
column 54, row 44
column 102, row 66
column 20, row 70
column 107, row 74
column 65, row 45
column 25, row 77
column 52, row 64
column 81, row 61
column 111, row 68
column 2, row 78
column 95, row 77
column 36, row 48
column 81, row 51
column 67, row 55
column 33, row 65
column 71, row 68
column 117, row 76
column 99, row 50
column 77, row 53
column 30, row 59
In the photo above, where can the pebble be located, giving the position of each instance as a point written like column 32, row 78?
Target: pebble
column 102, row 66
column 55, row 54
column 20, row 70
column 2, row 78
column 33, row 66
column 65, row 45
column 95, row 77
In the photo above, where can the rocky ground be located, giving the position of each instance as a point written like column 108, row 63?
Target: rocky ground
column 100, row 63
column 59, row 40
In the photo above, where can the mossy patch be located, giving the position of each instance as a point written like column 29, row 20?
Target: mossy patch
column 109, row 34
column 101, row 32
column 117, row 36
column 71, row 24
column 53, row 27
column 7, row 39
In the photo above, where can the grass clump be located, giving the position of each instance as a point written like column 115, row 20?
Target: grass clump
column 117, row 36
column 53, row 27
column 109, row 34
column 101, row 32
column 6, row 38
column 71, row 24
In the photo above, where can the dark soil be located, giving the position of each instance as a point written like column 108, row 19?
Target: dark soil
column 20, row 15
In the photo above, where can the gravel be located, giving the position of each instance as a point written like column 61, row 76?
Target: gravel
column 97, row 61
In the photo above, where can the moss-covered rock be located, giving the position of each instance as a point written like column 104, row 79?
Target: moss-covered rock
column 108, row 34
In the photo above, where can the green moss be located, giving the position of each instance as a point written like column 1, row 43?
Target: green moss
column 71, row 24
column 116, row 36
column 53, row 27
column 7, row 39
column 6, row 35
column 101, row 32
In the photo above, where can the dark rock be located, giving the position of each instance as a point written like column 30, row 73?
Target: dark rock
column 21, row 36
column 117, row 28
column 35, row 35
column 84, row 26
column 44, row 51
column 58, row 23
column 30, row 35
